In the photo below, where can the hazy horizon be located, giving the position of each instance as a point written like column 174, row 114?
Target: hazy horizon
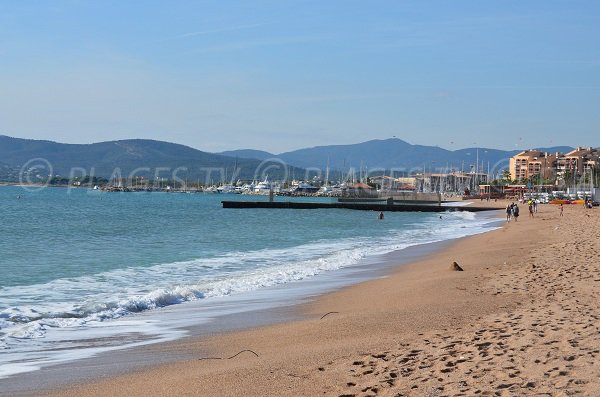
column 279, row 76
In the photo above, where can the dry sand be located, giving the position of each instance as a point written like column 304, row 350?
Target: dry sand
column 522, row 319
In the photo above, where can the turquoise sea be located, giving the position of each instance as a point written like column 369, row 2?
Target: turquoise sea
column 79, row 265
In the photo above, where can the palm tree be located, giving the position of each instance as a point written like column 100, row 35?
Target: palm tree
column 506, row 176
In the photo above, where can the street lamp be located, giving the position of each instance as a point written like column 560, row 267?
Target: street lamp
column 535, row 158
column 472, row 179
column 544, row 174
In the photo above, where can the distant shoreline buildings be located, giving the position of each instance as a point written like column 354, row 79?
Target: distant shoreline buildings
column 544, row 166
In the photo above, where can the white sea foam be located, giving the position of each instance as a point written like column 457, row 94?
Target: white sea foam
column 131, row 290
column 75, row 303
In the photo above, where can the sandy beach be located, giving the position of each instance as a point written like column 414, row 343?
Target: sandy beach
column 521, row 319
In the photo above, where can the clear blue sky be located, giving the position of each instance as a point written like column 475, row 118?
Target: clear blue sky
column 281, row 75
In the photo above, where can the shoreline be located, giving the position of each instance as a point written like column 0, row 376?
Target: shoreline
column 373, row 267
column 60, row 375
column 381, row 327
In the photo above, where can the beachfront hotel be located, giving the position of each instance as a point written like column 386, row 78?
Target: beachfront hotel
column 530, row 164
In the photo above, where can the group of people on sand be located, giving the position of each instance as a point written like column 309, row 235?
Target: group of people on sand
column 512, row 212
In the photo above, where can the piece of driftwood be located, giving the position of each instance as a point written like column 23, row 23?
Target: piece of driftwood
column 229, row 358
column 327, row 314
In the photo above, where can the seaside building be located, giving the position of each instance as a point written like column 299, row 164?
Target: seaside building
column 359, row 189
column 389, row 183
column 529, row 164
column 406, row 183
column 457, row 182
column 578, row 161
column 454, row 182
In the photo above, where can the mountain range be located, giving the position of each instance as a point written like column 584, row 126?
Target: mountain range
column 127, row 158
column 151, row 159
column 391, row 154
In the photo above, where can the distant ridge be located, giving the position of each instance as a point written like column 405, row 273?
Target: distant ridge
column 390, row 153
column 248, row 154
column 148, row 158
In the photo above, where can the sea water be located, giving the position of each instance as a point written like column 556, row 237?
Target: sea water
column 84, row 271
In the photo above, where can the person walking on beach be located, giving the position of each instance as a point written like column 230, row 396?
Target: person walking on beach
column 515, row 212
column 530, row 208
column 508, row 212
column 561, row 210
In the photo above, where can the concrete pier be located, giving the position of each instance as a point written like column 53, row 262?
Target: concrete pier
column 355, row 206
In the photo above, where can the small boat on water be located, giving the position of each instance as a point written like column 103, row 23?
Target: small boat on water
column 303, row 187
column 325, row 190
column 248, row 188
column 226, row 189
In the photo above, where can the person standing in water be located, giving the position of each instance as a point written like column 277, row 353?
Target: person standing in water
column 380, row 216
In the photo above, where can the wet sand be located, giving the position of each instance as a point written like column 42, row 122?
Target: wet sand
column 522, row 319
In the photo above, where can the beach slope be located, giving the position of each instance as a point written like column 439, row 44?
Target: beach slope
column 521, row 319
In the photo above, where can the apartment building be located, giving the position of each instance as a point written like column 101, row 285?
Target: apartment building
column 578, row 161
column 531, row 163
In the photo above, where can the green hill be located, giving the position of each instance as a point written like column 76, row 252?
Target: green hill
column 130, row 158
